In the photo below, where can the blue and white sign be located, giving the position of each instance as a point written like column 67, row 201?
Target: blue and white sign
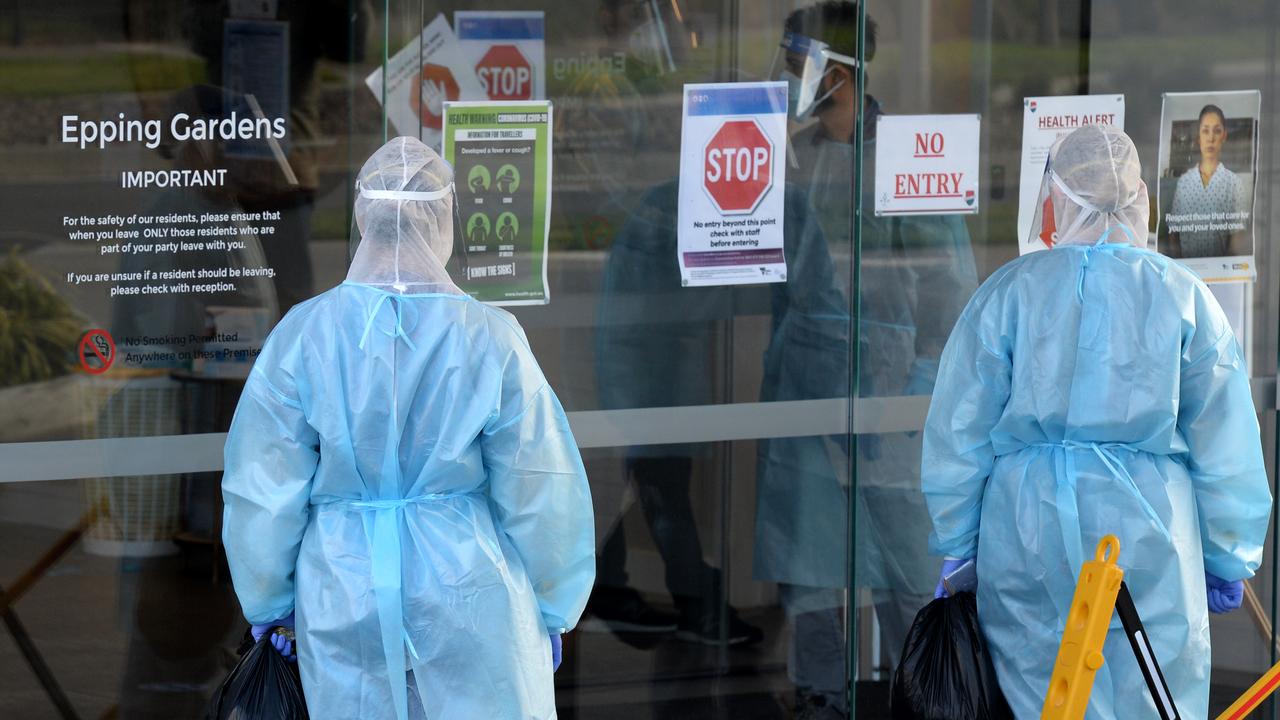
column 733, row 148
column 507, row 50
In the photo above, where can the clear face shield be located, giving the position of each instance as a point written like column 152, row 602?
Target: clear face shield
column 803, row 62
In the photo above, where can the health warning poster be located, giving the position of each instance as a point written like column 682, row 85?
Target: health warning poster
column 421, row 78
column 927, row 164
column 507, row 52
column 732, row 175
column 501, row 157
column 1044, row 120
column 1206, row 179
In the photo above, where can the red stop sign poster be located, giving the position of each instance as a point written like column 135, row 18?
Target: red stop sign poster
column 733, row 139
column 738, row 166
column 505, row 74
column 429, row 89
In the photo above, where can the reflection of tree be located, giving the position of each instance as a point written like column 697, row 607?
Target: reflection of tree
column 37, row 326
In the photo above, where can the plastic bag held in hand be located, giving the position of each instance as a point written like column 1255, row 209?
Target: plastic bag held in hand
column 946, row 671
column 262, row 685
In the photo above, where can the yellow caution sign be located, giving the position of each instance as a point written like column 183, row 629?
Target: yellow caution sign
column 1254, row 696
column 1080, row 655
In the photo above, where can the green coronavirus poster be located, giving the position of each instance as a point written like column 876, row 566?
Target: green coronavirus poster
column 501, row 157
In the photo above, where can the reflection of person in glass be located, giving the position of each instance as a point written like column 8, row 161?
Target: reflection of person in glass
column 506, row 231
column 655, row 347
column 655, row 340
column 507, row 179
column 479, row 233
column 1209, row 189
column 917, row 273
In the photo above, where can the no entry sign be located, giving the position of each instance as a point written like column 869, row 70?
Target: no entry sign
column 732, row 175
column 97, row 352
column 927, row 164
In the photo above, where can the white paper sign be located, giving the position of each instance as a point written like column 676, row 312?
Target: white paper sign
column 1044, row 120
column 732, row 174
column 1206, row 181
column 507, row 52
column 927, row 164
column 421, row 77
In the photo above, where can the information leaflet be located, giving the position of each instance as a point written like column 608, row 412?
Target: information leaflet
column 927, row 164
column 501, row 157
column 1044, row 120
column 732, row 175
column 421, row 78
column 506, row 51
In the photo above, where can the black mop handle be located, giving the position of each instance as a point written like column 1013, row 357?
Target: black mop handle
column 1145, row 655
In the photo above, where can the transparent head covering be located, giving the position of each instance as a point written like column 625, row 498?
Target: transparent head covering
column 403, row 224
column 1092, row 191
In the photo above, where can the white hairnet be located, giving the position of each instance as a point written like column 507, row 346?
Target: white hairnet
column 1093, row 181
column 404, row 218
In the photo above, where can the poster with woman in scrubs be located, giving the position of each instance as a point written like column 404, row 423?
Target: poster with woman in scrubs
column 1205, row 190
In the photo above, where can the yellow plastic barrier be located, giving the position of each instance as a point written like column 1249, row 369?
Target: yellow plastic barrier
column 1254, row 696
column 1080, row 655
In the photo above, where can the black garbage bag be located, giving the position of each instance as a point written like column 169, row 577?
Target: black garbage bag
column 946, row 671
column 262, row 686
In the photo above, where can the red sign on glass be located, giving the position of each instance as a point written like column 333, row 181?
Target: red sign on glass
column 738, row 166
column 97, row 352
column 505, row 74
column 428, row 92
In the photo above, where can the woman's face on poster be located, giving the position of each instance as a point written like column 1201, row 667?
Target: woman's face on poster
column 1212, row 135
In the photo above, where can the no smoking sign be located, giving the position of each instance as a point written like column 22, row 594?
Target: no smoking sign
column 97, row 352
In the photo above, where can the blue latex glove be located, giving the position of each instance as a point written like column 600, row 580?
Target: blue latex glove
column 1223, row 595
column 948, row 566
column 557, row 649
column 282, row 643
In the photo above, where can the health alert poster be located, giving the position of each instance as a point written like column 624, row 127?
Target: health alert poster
column 501, row 157
column 732, row 175
column 1044, row 120
column 927, row 164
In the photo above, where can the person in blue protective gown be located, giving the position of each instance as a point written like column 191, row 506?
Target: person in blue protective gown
column 916, row 274
column 401, row 479
column 1090, row 389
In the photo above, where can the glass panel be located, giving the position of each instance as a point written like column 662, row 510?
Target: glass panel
column 136, row 205
column 714, row 421
column 723, row 540
column 986, row 57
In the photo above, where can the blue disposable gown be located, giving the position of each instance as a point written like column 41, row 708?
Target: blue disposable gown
column 400, row 472
column 1090, row 390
